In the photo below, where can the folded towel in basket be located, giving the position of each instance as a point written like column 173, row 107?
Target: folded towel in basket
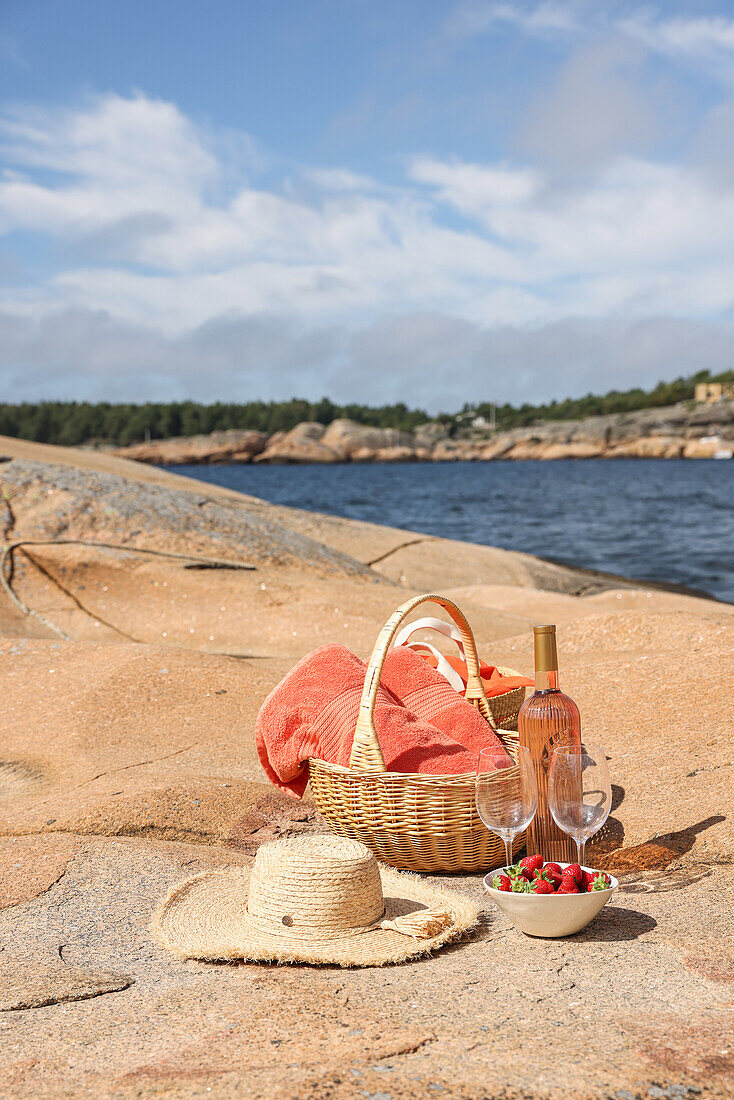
column 429, row 695
column 313, row 712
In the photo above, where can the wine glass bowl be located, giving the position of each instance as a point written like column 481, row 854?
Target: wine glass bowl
column 579, row 791
column 506, row 793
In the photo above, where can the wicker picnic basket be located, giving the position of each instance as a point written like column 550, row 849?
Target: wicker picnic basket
column 417, row 822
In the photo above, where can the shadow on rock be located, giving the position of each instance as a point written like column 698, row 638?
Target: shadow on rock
column 17, row 778
column 610, row 837
column 272, row 816
column 660, row 852
column 615, row 924
column 661, row 881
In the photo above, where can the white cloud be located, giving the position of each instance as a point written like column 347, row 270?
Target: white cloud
column 516, row 363
column 177, row 270
column 701, row 37
column 116, row 159
column 635, row 225
column 127, row 143
column 547, row 16
column 596, row 107
column 68, row 351
column 341, row 179
column 713, row 145
column 469, row 186
column 428, row 359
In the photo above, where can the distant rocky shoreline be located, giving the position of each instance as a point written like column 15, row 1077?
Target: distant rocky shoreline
column 700, row 431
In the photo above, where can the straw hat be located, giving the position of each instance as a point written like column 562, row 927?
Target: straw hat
column 310, row 899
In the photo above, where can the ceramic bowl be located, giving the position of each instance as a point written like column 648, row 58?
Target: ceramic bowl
column 549, row 915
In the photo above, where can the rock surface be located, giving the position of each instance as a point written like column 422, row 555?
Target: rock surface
column 304, row 443
column 347, row 438
column 459, row 1024
column 229, row 446
column 702, row 431
column 127, row 762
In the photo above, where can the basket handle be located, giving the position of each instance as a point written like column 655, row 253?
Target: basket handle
column 366, row 753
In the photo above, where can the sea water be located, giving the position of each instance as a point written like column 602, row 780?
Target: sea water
column 666, row 520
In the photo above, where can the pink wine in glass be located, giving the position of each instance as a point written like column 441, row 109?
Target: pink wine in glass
column 547, row 718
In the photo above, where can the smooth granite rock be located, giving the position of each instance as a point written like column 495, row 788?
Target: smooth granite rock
column 127, row 762
column 623, row 1005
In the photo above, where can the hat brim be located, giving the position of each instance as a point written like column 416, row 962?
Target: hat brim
column 206, row 918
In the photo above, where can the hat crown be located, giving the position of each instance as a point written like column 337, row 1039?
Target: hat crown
column 315, row 884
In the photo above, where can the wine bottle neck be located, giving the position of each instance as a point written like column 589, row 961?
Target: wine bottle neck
column 546, row 679
column 546, row 658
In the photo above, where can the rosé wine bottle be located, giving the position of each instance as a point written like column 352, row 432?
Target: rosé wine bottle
column 547, row 718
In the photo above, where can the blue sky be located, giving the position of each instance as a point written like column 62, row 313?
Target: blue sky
column 424, row 201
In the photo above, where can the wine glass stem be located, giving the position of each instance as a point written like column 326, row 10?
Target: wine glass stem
column 581, row 850
column 508, row 852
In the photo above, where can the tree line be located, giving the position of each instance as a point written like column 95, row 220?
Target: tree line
column 71, row 423
column 577, row 408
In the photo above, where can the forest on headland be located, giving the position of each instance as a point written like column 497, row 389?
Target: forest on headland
column 71, row 423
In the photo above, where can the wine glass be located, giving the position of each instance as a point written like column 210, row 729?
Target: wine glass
column 579, row 791
column 506, row 793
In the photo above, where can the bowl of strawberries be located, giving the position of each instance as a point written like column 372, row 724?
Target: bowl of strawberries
column 549, row 899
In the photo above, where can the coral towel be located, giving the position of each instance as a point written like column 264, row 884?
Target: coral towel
column 313, row 712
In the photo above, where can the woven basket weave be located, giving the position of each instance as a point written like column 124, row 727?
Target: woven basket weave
column 506, row 707
column 417, row 822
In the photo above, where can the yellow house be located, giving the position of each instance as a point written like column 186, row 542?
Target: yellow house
column 713, row 391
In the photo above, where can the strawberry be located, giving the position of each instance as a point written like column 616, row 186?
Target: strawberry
column 502, row 882
column 546, row 875
column 574, row 872
column 520, row 885
column 598, row 881
column 554, row 868
column 531, row 864
column 568, row 886
column 541, row 886
column 520, row 874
